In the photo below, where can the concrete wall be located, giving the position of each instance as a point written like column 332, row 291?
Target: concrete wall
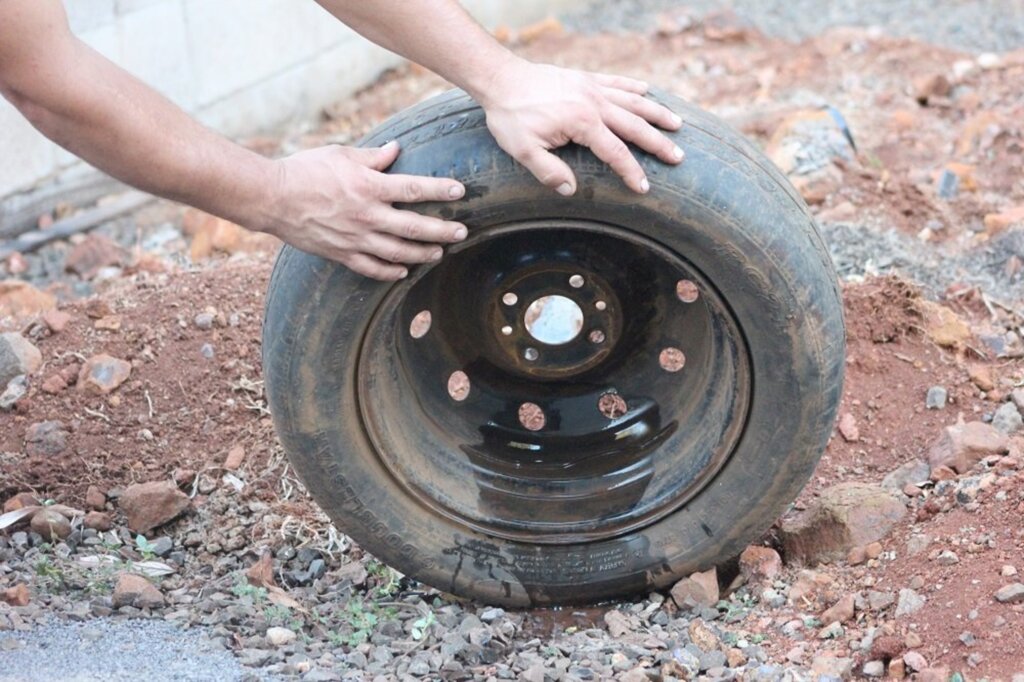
column 240, row 66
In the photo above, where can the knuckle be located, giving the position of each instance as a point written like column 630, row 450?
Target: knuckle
column 412, row 230
column 413, row 191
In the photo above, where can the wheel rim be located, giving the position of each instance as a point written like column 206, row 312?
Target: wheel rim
column 554, row 382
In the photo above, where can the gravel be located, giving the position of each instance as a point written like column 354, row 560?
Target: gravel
column 111, row 650
column 972, row 25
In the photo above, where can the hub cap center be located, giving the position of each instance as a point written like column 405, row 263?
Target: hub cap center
column 554, row 320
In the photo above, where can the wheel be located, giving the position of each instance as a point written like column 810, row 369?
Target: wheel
column 589, row 397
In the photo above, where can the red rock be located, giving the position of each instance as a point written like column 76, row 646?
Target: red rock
column 915, row 661
column 46, row 439
column 760, row 564
column 134, row 590
column 931, row 86
column 21, row 299
column 20, row 501
column 962, row 445
column 848, row 428
column 54, row 384
column 184, row 477
column 933, row 675
column 840, row 612
column 942, row 473
column 56, row 320
column 843, row 517
column 236, row 456
column 698, row 590
column 981, row 376
column 809, row 589
column 856, row 556
column 702, row 636
column 98, row 521
column 897, row 669
column 108, row 323
column 17, row 356
column 95, row 499
column 149, row 505
column 873, row 550
column 102, row 374
column 92, row 254
column 997, row 222
column 17, row 595
column 886, row 648
column 50, row 524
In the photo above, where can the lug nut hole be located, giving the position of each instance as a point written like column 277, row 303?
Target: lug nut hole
column 420, row 324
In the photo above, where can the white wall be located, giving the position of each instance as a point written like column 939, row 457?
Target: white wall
column 240, row 66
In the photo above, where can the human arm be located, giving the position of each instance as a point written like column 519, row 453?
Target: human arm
column 531, row 108
column 333, row 201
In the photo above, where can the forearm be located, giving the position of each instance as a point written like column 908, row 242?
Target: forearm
column 101, row 113
column 438, row 34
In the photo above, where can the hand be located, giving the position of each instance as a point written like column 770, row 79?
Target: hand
column 534, row 108
column 336, row 202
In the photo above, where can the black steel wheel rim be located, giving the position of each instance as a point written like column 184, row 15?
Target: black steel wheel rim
column 478, row 406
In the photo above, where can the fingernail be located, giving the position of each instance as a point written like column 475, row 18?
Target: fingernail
column 456, row 191
column 678, row 153
column 461, row 233
column 390, row 145
column 403, row 274
column 437, row 255
column 645, row 186
column 677, row 120
column 565, row 189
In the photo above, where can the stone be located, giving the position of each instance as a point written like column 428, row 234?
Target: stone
column 102, row 374
column 20, row 501
column 617, row 622
column 831, row 666
column 46, row 439
column 933, row 675
column 856, row 556
column 844, row 516
column 92, row 254
column 840, row 612
column 997, row 222
column 962, row 445
column 696, row 591
column 20, row 299
column 17, row 357
column 56, row 320
column 981, row 376
column 702, row 636
column 878, row 601
column 909, row 473
column 235, row 457
column 936, row 398
column 149, row 505
column 873, row 550
column 50, row 524
column 1008, row 571
column 873, row 669
column 280, row 636
column 908, row 602
column 886, row 647
column 54, row 384
column 134, row 590
column 98, row 521
column 1010, row 594
column 931, row 86
column 1007, row 419
column 947, row 558
column 912, row 640
column 760, row 564
column 848, row 428
column 95, row 499
column 15, row 391
column 915, row 661
column 1017, row 396
column 898, row 669
column 17, row 595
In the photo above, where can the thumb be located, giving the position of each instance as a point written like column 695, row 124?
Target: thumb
column 376, row 158
column 550, row 170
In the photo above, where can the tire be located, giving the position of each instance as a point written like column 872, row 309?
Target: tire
column 366, row 431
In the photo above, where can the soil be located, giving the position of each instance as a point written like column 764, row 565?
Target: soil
column 195, row 393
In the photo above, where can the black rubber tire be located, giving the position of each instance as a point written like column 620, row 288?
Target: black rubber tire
column 726, row 208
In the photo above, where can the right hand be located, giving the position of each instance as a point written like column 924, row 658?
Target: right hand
column 336, row 202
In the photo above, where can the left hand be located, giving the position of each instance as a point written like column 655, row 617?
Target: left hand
column 534, row 108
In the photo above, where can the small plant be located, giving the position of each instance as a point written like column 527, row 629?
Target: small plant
column 421, row 626
column 362, row 621
column 49, row 573
column 386, row 578
column 242, row 588
column 146, row 548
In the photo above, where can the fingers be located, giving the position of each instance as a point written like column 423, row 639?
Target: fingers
column 613, row 151
column 550, row 170
column 394, row 250
column 420, row 228
column 621, row 83
column 649, row 110
column 377, row 158
column 632, row 128
column 368, row 266
column 411, row 189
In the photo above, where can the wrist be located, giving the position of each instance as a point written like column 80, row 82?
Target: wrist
column 486, row 83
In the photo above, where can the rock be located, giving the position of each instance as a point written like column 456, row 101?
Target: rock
column 962, row 445
column 15, row 391
column 1007, row 419
column 931, row 86
column 947, row 558
column 95, row 499
column 1010, row 594
column 760, row 564
column 848, row 428
column 1017, row 396
column 236, row 456
column 873, row 550
column 843, row 517
column 898, row 669
column 936, row 398
column 149, row 505
column 54, row 384
column 878, row 601
column 50, row 524
column 702, row 636
column 98, row 521
column 21, row 299
column 942, row 473
column 873, row 669
column 17, row 357
column 20, row 501
column 280, row 636
column 997, row 222
column 840, row 612
column 886, row 647
column 981, row 376
column 17, row 595
column 909, row 602
column 698, row 590
column 910, row 473
column 162, row 546
column 46, row 439
column 831, row 666
column 856, row 556
column 102, row 374
column 618, row 624
column 56, row 320
column 1008, row 571
column 134, row 590
column 915, row 661
column 92, row 254
column 912, row 640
